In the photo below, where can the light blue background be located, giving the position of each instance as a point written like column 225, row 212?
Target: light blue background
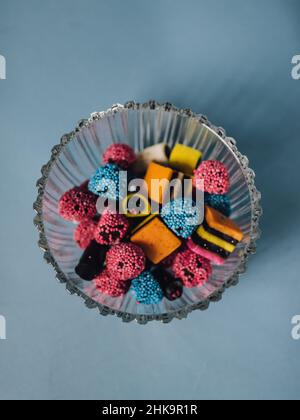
column 229, row 59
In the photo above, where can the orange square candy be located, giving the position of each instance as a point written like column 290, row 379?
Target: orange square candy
column 157, row 240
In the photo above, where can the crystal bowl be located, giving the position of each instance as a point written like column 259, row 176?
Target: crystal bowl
column 140, row 125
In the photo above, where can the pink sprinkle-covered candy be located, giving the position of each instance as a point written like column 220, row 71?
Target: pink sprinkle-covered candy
column 108, row 285
column 119, row 154
column 214, row 177
column 77, row 205
column 84, row 233
column 191, row 268
column 125, row 261
column 111, row 229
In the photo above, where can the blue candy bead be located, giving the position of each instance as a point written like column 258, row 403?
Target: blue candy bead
column 220, row 203
column 182, row 217
column 106, row 182
column 146, row 289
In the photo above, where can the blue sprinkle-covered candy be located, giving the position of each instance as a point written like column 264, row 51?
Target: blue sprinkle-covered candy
column 182, row 217
column 106, row 182
column 220, row 203
column 146, row 289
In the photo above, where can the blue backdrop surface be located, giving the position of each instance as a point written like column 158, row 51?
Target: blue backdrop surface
column 228, row 59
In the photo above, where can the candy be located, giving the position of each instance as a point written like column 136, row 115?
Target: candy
column 146, row 289
column 92, row 261
column 106, row 182
column 166, row 229
column 125, row 261
column 213, row 177
column 168, row 262
column 158, row 153
column 136, row 208
column 107, row 285
column 184, row 159
column 76, row 205
column 191, row 268
column 172, row 288
column 157, row 179
column 219, row 202
column 119, row 154
column 84, row 186
column 182, row 217
column 156, row 239
column 217, row 238
column 111, row 229
column 181, row 186
column 211, row 253
column 143, row 222
column 84, row 233
column 136, row 205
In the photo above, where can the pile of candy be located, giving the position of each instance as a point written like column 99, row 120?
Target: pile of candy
column 152, row 254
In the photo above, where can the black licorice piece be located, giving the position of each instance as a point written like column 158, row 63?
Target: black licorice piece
column 92, row 261
column 172, row 288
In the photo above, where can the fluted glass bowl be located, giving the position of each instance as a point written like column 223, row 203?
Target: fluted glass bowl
column 77, row 157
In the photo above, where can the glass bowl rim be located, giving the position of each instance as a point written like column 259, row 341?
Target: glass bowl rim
column 243, row 161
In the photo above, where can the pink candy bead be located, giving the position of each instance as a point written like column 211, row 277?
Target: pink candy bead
column 108, row 285
column 119, row 154
column 111, row 229
column 125, row 261
column 214, row 175
column 84, row 233
column 77, row 205
column 191, row 268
